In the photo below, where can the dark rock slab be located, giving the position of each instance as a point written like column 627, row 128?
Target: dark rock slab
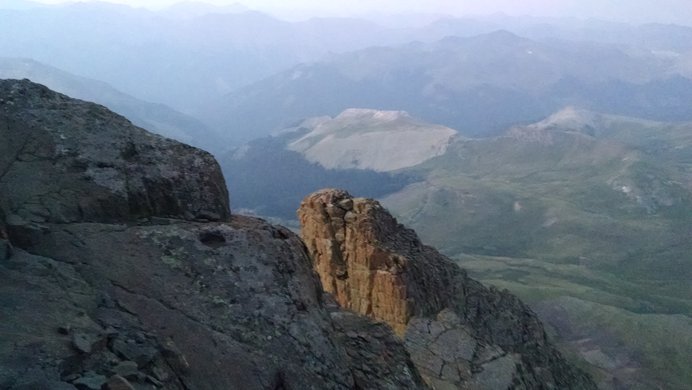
column 90, row 381
column 64, row 160
column 186, row 314
column 123, row 273
column 117, row 382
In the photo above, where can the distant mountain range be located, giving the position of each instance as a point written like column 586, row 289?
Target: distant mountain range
column 651, row 36
column 478, row 85
column 195, row 9
column 182, row 62
column 226, row 65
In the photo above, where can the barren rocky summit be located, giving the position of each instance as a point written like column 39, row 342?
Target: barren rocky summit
column 123, row 268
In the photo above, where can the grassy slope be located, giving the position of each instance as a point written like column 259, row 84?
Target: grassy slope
column 597, row 319
column 577, row 200
column 545, row 214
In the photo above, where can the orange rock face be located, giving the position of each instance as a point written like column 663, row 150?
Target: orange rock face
column 459, row 333
column 359, row 252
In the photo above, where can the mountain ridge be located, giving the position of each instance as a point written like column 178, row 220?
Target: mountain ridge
column 463, row 83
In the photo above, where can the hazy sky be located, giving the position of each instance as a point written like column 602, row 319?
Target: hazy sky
column 676, row 11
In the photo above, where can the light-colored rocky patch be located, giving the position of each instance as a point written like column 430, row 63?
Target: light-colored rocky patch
column 370, row 139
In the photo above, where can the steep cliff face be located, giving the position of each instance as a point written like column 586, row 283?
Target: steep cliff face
column 123, row 268
column 460, row 333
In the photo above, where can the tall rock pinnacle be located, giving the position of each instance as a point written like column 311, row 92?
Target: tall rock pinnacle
column 459, row 333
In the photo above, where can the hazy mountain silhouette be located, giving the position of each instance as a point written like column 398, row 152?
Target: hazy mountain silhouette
column 159, row 57
column 478, row 85
column 155, row 117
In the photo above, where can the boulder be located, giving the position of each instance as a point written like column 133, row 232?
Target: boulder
column 64, row 160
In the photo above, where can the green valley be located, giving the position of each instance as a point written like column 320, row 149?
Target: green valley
column 583, row 215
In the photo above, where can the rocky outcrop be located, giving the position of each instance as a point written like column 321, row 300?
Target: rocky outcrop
column 182, row 306
column 67, row 161
column 343, row 236
column 123, row 268
column 460, row 333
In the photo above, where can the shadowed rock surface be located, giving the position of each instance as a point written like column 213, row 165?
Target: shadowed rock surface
column 123, row 268
column 191, row 305
column 65, row 160
column 460, row 333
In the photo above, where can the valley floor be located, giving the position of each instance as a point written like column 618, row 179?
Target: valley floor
column 598, row 320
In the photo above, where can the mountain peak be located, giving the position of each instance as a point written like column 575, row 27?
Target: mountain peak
column 503, row 35
column 498, row 37
column 570, row 117
column 371, row 114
